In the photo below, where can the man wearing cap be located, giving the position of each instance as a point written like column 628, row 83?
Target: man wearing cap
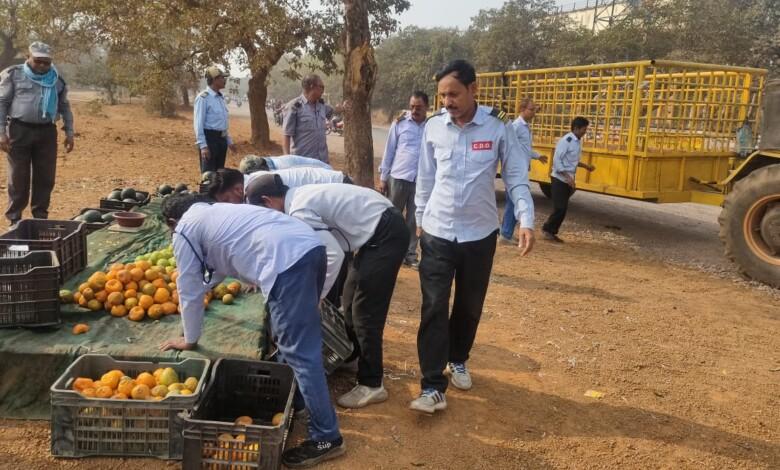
column 364, row 222
column 32, row 97
column 252, row 163
column 210, row 120
column 304, row 121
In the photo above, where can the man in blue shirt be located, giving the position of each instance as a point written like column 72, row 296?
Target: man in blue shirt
column 210, row 120
column 304, row 121
column 285, row 258
column 457, row 219
column 565, row 163
column 522, row 127
column 398, row 171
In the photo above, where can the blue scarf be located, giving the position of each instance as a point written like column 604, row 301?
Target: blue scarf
column 47, row 83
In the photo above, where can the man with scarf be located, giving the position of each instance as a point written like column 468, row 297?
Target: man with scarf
column 32, row 97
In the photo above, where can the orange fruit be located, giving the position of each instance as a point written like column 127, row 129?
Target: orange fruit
column 174, row 276
column 147, row 379
column 101, row 296
column 88, row 293
column 234, row 287
column 119, row 396
column 159, row 282
column 88, row 392
column 126, row 386
column 94, row 305
column 117, row 267
column 157, row 372
column 130, row 293
column 132, row 285
column 169, row 308
column 162, row 295
column 114, row 286
column 83, row 382
column 83, row 301
column 137, row 274
column 80, row 328
column 83, row 286
column 107, row 306
column 143, row 265
column 171, row 286
column 145, row 301
column 155, row 312
column 130, row 266
column 115, row 298
column 137, row 313
column 104, row 392
column 141, row 391
column 175, row 297
column 110, row 276
column 151, row 274
column 160, row 270
column 118, row 310
column 131, row 302
column 149, row 289
column 124, row 276
column 76, row 297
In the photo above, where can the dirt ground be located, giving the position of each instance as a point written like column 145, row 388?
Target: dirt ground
column 636, row 305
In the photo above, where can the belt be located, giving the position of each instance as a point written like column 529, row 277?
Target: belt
column 31, row 124
column 223, row 133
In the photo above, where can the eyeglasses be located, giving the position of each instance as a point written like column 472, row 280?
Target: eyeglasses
column 42, row 61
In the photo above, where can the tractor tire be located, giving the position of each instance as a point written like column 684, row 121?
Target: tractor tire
column 750, row 225
column 546, row 189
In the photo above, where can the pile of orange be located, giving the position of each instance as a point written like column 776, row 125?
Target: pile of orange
column 135, row 290
column 115, row 384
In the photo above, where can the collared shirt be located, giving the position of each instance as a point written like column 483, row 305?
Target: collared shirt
column 402, row 151
column 525, row 138
column 350, row 212
column 455, row 195
column 304, row 122
column 299, row 176
column 253, row 244
column 291, row 161
column 20, row 98
column 210, row 113
column 568, row 151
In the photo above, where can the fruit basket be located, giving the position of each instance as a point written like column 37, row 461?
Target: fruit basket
column 67, row 238
column 125, row 200
column 215, row 433
column 336, row 345
column 29, row 290
column 83, row 426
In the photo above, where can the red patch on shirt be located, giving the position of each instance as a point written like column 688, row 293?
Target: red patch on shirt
column 482, row 145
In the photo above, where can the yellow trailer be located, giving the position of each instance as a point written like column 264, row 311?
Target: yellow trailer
column 665, row 131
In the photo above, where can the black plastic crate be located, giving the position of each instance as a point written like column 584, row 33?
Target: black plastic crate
column 82, row 426
column 336, row 345
column 125, row 206
column 94, row 226
column 237, row 387
column 29, row 289
column 67, row 238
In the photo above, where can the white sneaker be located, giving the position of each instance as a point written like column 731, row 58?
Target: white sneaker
column 460, row 377
column 361, row 396
column 429, row 401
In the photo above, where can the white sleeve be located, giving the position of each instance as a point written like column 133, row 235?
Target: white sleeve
column 335, row 259
column 191, row 289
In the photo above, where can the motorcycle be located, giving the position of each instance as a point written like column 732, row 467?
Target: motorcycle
column 336, row 127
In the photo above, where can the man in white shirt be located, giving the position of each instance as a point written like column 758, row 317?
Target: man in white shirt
column 566, row 160
column 365, row 222
column 301, row 175
column 285, row 258
column 457, row 213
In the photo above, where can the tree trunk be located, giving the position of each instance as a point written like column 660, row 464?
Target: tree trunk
column 359, row 77
column 185, row 95
column 257, row 94
column 8, row 51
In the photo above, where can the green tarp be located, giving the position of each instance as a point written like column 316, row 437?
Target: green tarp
column 32, row 359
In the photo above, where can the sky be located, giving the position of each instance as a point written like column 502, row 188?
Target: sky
column 445, row 13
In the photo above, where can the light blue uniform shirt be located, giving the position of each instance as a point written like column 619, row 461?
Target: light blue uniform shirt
column 568, row 151
column 291, row 161
column 300, row 176
column 402, row 151
column 210, row 113
column 251, row 243
column 304, row 122
column 455, row 195
column 524, row 138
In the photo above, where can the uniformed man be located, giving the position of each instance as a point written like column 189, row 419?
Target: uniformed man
column 364, row 222
column 305, row 120
column 566, row 160
column 251, row 163
column 458, row 221
column 398, row 171
column 302, row 175
column 32, row 96
column 282, row 256
column 522, row 127
column 210, row 120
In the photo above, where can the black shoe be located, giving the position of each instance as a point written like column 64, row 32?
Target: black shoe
column 412, row 263
column 551, row 237
column 310, row 453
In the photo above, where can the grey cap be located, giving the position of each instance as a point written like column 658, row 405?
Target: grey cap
column 252, row 163
column 269, row 185
column 39, row 49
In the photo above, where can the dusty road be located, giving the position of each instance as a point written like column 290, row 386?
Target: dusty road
column 639, row 305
